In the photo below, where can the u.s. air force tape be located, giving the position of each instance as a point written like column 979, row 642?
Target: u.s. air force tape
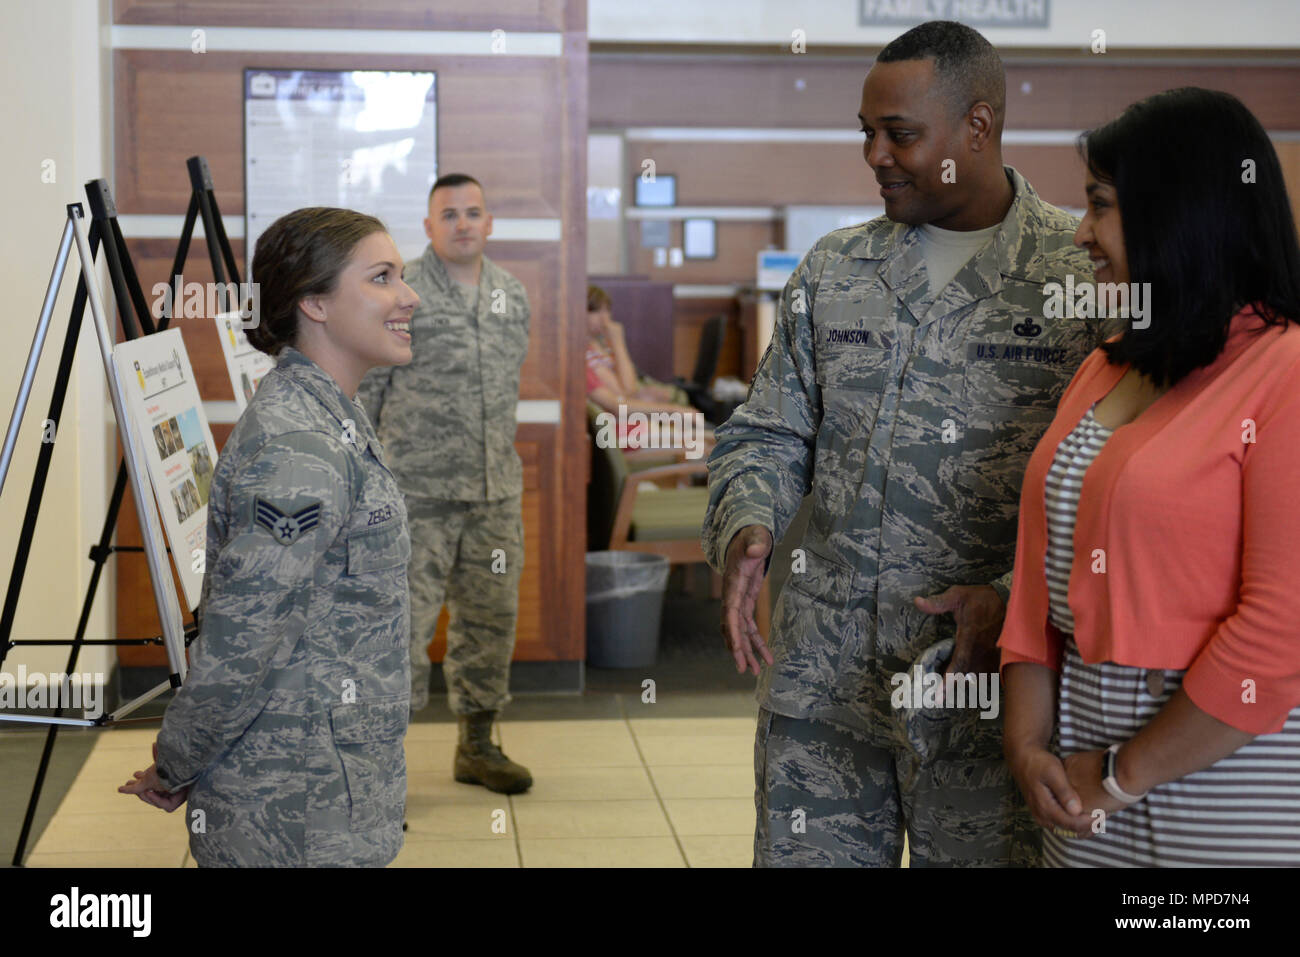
column 286, row 528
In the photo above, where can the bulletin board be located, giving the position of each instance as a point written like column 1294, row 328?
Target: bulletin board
column 363, row 140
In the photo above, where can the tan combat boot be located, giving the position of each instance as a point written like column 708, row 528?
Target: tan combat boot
column 479, row 761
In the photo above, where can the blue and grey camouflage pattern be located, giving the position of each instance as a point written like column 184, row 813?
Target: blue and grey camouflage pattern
column 827, row 797
column 448, row 422
column 289, row 726
column 910, row 417
column 453, row 546
column 448, row 418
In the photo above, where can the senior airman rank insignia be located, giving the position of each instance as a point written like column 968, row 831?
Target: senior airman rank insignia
column 284, row 528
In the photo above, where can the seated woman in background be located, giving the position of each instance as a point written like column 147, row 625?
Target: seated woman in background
column 612, row 379
column 286, row 737
column 1156, row 565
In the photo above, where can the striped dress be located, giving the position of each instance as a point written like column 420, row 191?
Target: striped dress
column 1243, row 810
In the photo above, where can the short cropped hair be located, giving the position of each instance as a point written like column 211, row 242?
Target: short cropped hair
column 1209, row 230
column 301, row 254
column 966, row 66
column 455, row 179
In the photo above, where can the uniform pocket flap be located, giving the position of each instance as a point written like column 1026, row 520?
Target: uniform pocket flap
column 823, row 579
column 376, row 719
column 1016, row 376
column 374, row 549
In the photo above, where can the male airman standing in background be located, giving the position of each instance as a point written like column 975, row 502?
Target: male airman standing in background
column 447, row 423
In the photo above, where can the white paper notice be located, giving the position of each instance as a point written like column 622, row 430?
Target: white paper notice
column 362, row 140
column 167, row 412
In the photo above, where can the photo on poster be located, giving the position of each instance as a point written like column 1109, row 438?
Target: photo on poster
column 166, row 412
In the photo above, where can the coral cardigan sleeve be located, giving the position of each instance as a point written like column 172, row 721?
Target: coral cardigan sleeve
column 1248, row 674
column 1023, row 639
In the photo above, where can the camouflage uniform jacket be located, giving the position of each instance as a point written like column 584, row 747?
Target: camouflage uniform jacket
column 910, row 417
column 289, row 726
column 448, row 419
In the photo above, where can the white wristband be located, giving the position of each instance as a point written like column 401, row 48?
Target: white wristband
column 1111, row 783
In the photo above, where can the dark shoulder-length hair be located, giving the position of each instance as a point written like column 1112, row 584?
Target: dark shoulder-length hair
column 1206, row 222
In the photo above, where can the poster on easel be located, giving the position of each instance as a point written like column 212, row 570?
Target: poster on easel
column 245, row 364
column 167, row 412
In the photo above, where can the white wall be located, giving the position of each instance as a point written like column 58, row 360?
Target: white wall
column 54, row 105
column 1210, row 24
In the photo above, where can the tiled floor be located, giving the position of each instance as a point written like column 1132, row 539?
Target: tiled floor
column 616, row 791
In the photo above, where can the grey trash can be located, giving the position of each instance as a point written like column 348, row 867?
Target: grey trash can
column 625, row 603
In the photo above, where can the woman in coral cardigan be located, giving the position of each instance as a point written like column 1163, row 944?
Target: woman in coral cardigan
column 1150, row 652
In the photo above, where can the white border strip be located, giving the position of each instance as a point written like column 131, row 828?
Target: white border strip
column 543, row 411
column 317, row 40
column 694, row 134
column 742, row 213
column 687, row 291
column 142, row 226
column 688, row 134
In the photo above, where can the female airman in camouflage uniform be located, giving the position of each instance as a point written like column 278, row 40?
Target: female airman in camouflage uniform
column 286, row 737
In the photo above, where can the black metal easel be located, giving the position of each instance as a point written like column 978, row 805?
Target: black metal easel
column 130, row 302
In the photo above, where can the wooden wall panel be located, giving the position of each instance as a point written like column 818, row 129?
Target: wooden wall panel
column 372, row 15
column 517, row 123
column 498, row 118
column 804, row 91
column 762, row 174
column 689, row 317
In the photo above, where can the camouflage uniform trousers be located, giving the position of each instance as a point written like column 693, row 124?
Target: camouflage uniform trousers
column 454, row 559
column 827, row 795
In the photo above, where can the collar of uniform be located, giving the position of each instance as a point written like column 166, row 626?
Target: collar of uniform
column 898, row 244
column 437, row 271
column 321, row 384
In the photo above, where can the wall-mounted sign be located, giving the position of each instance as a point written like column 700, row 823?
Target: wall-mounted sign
column 973, row 13
column 700, row 238
column 361, row 139
column 775, row 267
column 660, row 190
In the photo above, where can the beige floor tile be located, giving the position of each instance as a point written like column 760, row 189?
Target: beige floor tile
column 123, row 739
column 588, row 784
column 555, row 819
column 712, row 817
column 430, row 790
column 96, row 797
column 108, row 763
column 432, row 731
column 588, row 751
column 601, row 852
column 115, row 859
column 732, row 850
column 430, row 755
column 643, row 727
column 706, row 749
column 694, row 781
column 550, row 730
column 190, row 861
column 114, row 831
column 457, row 854
column 458, row 822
